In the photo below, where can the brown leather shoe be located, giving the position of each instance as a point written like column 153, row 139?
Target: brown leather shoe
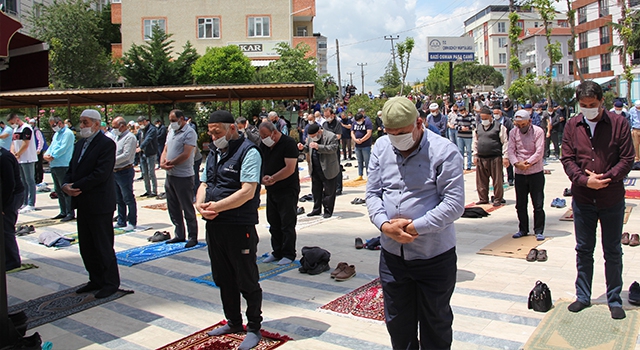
column 635, row 240
column 338, row 269
column 347, row 273
column 625, row 238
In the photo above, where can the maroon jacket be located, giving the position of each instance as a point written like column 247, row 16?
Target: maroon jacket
column 609, row 152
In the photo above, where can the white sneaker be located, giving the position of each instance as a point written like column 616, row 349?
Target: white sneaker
column 27, row 209
column 128, row 228
column 115, row 225
column 269, row 259
column 285, row 261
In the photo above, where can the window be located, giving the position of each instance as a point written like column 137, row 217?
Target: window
column 208, row 28
column 502, row 42
column 322, row 44
column 582, row 14
column 150, row 23
column 604, row 35
column 258, row 26
column 521, row 25
column 10, row 6
column 116, row 1
column 502, row 58
column 558, row 68
column 583, row 40
column 571, row 68
column 502, row 27
column 603, row 6
column 633, row 3
column 584, row 65
column 301, row 31
column 605, row 62
column 535, row 24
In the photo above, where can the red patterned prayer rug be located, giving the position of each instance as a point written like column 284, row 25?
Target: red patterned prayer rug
column 363, row 302
column 201, row 341
column 632, row 194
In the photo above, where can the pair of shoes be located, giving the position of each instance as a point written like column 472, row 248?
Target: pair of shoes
column 537, row 255
column 27, row 209
column 159, row 236
column 558, row 203
column 269, row 258
column 25, row 230
column 59, row 216
column 314, row 213
column 326, row 215
column 343, row 272
column 348, row 165
column 285, row 261
column 359, row 243
column 299, row 211
column 306, row 197
column 226, row 329
column 539, row 237
column 89, row 287
column 191, row 243
column 519, row 234
column 68, row 218
column 634, row 293
column 175, row 240
column 358, row 201
column 567, row 192
column 162, row 196
column 359, row 178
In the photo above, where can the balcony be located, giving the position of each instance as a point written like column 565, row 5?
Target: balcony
column 634, row 3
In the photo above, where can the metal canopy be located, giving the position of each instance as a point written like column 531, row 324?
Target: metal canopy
column 155, row 95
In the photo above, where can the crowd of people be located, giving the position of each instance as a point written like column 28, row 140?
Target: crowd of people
column 414, row 189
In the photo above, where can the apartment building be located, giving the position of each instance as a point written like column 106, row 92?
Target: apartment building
column 256, row 26
column 21, row 10
column 534, row 58
column 594, row 42
column 489, row 29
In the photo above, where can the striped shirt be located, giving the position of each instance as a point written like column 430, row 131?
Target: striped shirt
column 469, row 121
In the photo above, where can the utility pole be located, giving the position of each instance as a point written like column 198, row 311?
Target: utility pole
column 339, row 78
column 351, row 78
column 393, row 48
column 362, row 74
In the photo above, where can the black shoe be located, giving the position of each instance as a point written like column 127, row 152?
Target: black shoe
column 68, row 218
column 577, row 306
column 59, row 216
column 338, row 193
column 617, row 313
column 566, row 193
column 326, row 215
column 314, row 213
column 634, row 293
column 191, row 243
column 145, row 195
column 175, row 240
column 162, row 196
column 105, row 292
column 89, row 287
column 300, row 211
column 510, row 182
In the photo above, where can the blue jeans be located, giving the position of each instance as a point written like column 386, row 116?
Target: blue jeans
column 453, row 135
column 465, row 142
column 148, row 169
column 585, row 220
column 64, row 200
column 362, row 154
column 125, row 198
column 28, row 177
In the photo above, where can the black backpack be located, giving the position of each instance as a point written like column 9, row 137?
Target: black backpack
column 540, row 298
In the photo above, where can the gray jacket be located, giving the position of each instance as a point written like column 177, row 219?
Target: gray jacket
column 327, row 150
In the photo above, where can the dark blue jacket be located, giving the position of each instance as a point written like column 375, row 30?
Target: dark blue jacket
column 149, row 140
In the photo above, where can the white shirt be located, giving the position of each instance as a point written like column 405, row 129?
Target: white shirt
column 30, row 155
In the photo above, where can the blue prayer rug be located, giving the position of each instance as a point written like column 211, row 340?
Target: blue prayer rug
column 150, row 252
column 266, row 270
column 630, row 181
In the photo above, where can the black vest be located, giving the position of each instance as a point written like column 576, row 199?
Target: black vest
column 489, row 143
column 223, row 179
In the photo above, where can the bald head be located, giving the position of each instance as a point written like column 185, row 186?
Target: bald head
column 119, row 123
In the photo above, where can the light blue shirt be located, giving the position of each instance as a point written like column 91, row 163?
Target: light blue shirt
column 249, row 170
column 61, row 148
column 426, row 187
column 6, row 142
column 634, row 116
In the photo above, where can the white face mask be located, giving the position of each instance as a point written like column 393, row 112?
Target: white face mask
column 434, row 114
column 86, row 132
column 56, row 128
column 221, row 143
column 15, row 126
column 618, row 111
column 174, row 125
column 268, row 141
column 486, row 122
column 116, row 132
column 360, row 122
column 590, row 113
column 497, row 116
column 314, row 138
column 402, row 142
column 312, row 121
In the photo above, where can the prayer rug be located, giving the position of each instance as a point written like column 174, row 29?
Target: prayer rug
column 201, row 341
column 159, row 206
column 632, row 194
column 40, row 223
column 24, row 267
column 510, row 247
column 630, row 181
column 354, row 183
column 487, row 207
column 265, row 270
column 116, row 231
column 150, row 252
column 61, row 304
column 592, row 328
column 568, row 215
column 363, row 302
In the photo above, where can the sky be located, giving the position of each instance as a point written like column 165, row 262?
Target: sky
column 361, row 25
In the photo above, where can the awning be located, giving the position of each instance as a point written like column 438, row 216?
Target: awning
column 600, row 81
column 8, row 27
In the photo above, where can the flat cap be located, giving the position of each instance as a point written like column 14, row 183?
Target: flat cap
column 398, row 112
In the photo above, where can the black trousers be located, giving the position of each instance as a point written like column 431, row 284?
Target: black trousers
column 556, row 142
column 179, row 192
column 530, row 185
column 323, row 191
column 282, row 205
column 510, row 173
column 417, row 293
column 39, row 172
column 339, row 178
column 232, row 251
column 95, row 236
column 9, row 219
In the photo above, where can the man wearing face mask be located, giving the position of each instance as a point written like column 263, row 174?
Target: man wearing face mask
column 282, row 181
column 490, row 143
column 249, row 131
column 228, row 199
column 177, row 160
column 148, row 151
column 90, row 183
column 597, row 154
column 526, row 150
column 325, row 168
column 414, row 194
column 123, row 173
column 335, row 127
column 361, row 132
column 500, row 117
column 6, row 136
column 59, row 155
column 24, row 149
column 437, row 119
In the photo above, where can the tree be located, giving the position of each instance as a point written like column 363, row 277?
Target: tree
column 466, row 73
column 627, row 28
column 152, row 64
column 548, row 14
column 563, row 95
column 525, row 89
column 514, row 41
column 76, row 56
column 391, row 79
column 404, row 54
column 109, row 32
column 292, row 66
column 223, row 65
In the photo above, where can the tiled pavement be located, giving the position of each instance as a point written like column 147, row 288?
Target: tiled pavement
column 489, row 302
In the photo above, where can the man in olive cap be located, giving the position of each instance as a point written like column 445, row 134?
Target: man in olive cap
column 415, row 192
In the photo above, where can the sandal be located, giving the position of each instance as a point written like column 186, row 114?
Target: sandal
column 533, row 254
column 542, row 255
column 359, row 243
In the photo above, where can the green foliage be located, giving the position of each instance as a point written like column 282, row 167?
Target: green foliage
column 221, row 65
column 371, row 107
column 437, row 81
column 514, row 34
column 77, row 56
column 404, row 54
column 547, row 14
column 525, row 89
column 110, row 33
column 608, row 97
column 325, row 88
column 152, row 64
column 466, row 73
column 563, row 95
column 291, row 67
column 390, row 79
